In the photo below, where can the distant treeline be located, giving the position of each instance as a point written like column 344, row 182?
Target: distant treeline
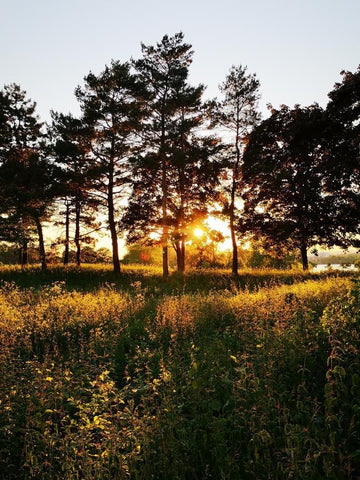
column 339, row 259
column 149, row 158
column 11, row 255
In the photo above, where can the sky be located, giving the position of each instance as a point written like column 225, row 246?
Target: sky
column 297, row 48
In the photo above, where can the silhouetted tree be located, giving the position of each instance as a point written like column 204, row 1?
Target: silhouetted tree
column 178, row 169
column 26, row 176
column 163, row 70
column 283, row 169
column 193, row 186
column 111, row 111
column 236, row 114
column 71, row 146
column 343, row 172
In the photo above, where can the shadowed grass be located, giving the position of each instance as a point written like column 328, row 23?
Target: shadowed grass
column 90, row 277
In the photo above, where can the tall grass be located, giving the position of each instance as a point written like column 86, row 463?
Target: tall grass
column 113, row 383
column 91, row 277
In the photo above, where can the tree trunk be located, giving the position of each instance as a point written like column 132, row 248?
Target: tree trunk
column 181, row 213
column 165, row 258
column 235, row 260
column 112, row 224
column 77, row 233
column 164, row 191
column 176, row 246
column 180, row 255
column 24, row 257
column 41, row 244
column 183, row 250
column 114, row 243
column 67, row 233
column 304, row 257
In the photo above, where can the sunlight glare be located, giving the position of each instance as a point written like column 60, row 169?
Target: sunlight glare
column 198, row 232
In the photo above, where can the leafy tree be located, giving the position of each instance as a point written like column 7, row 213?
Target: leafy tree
column 284, row 164
column 343, row 172
column 144, row 255
column 178, row 170
column 17, row 230
column 204, row 248
column 8, row 254
column 71, row 145
column 236, row 114
column 111, row 111
column 101, row 255
column 26, row 176
column 281, row 257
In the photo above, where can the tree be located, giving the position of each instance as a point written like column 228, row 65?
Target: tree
column 204, row 248
column 143, row 254
column 283, row 169
column 71, row 147
column 237, row 114
column 26, row 176
column 110, row 109
column 163, row 70
column 196, row 173
column 17, row 230
column 343, row 173
column 177, row 170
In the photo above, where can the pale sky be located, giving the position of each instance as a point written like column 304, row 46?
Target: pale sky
column 297, row 48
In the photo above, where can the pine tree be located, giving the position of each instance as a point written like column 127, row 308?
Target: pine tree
column 71, row 147
column 177, row 168
column 236, row 115
column 26, row 175
column 110, row 110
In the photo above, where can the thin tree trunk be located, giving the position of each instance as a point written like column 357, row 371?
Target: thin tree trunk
column 164, row 191
column 67, row 233
column 183, row 250
column 24, row 258
column 165, row 256
column 235, row 260
column 176, row 246
column 41, row 244
column 114, row 241
column 165, row 228
column 304, row 257
column 181, row 193
column 112, row 224
column 77, row 233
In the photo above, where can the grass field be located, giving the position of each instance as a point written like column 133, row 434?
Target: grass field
column 196, row 377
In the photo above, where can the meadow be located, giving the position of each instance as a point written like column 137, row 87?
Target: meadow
column 202, row 376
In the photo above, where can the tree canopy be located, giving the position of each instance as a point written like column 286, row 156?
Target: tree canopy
column 286, row 198
column 342, row 173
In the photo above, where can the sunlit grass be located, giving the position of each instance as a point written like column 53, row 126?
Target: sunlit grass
column 91, row 277
column 134, row 378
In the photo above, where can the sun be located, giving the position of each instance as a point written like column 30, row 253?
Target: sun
column 198, row 232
